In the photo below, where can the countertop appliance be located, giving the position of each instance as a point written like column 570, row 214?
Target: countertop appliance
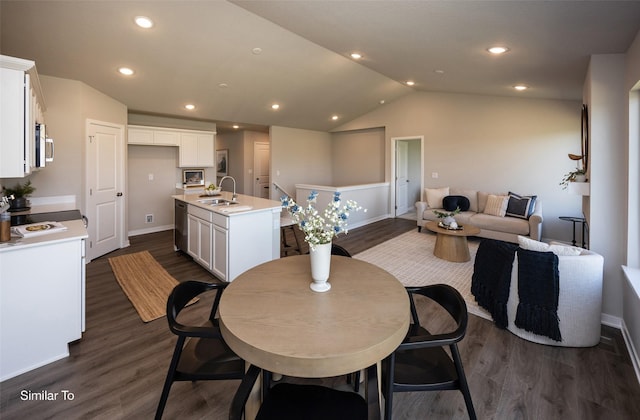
column 180, row 232
column 53, row 216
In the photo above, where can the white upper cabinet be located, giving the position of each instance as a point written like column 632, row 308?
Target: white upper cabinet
column 195, row 148
column 153, row 136
column 21, row 107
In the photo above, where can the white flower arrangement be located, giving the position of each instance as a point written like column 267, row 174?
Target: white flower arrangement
column 320, row 228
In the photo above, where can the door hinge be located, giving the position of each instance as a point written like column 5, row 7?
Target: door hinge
column 91, row 139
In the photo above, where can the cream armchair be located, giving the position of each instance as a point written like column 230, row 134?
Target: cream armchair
column 579, row 301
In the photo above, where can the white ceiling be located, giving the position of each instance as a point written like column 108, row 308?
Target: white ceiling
column 304, row 65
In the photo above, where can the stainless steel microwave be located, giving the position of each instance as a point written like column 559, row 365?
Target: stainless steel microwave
column 44, row 150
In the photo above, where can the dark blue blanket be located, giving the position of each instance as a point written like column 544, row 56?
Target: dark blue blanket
column 538, row 291
column 492, row 278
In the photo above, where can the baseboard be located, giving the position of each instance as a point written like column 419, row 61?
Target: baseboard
column 611, row 321
column 618, row 323
column 150, row 230
column 633, row 353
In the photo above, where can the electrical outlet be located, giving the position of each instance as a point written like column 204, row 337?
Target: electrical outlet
column 434, row 174
column 149, row 218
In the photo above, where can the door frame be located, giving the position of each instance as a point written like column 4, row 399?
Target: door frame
column 121, row 168
column 392, row 182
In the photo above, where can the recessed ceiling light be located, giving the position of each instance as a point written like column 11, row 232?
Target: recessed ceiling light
column 143, row 22
column 223, row 85
column 335, row 117
column 498, row 50
column 190, row 107
column 438, row 71
column 410, row 83
column 381, row 101
column 521, row 87
column 236, row 126
column 257, row 51
column 356, row 56
column 275, row 106
column 126, row 71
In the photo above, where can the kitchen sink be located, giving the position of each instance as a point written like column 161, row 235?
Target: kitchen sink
column 217, row 202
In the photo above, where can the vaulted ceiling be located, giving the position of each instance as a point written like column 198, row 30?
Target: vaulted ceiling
column 233, row 60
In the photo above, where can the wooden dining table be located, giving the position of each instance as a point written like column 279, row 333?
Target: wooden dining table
column 271, row 318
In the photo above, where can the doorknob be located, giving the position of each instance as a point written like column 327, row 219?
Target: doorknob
column 119, row 194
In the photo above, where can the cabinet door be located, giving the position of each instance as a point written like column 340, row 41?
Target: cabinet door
column 220, row 244
column 193, row 226
column 200, row 241
column 140, row 136
column 188, row 154
column 166, row 138
column 206, row 158
column 41, row 292
column 206, row 244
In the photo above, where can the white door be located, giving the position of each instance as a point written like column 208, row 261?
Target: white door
column 261, row 170
column 402, row 177
column 105, row 187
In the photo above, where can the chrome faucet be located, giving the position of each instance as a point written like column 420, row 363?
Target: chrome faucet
column 234, row 197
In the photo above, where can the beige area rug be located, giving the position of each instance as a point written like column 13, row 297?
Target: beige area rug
column 145, row 282
column 410, row 258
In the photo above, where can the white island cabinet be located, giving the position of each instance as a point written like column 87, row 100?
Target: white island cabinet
column 42, row 298
column 228, row 240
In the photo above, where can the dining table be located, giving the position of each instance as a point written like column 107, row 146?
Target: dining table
column 272, row 319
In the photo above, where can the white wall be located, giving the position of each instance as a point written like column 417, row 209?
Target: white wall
column 631, row 294
column 358, row 157
column 151, row 196
column 488, row 143
column 607, row 100
column 299, row 157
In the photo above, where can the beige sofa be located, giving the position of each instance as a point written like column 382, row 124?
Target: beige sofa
column 503, row 228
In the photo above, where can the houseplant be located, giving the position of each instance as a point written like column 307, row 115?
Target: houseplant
column 447, row 218
column 319, row 230
column 20, row 193
column 578, row 175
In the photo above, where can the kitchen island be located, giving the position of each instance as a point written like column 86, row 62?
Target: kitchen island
column 228, row 237
column 42, row 298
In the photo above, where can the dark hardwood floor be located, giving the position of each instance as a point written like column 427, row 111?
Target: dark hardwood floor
column 117, row 370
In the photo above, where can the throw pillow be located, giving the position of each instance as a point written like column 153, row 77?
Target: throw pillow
column 435, row 196
column 520, row 206
column 559, row 250
column 496, row 205
column 452, row 202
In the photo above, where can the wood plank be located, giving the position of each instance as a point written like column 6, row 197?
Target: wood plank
column 117, row 370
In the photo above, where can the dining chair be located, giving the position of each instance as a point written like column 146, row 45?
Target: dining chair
column 288, row 401
column 200, row 352
column 338, row 250
column 421, row 363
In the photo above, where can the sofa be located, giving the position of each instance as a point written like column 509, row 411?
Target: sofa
column 507, row 216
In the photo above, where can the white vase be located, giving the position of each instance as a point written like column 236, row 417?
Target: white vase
column 448, row 220
column 320, row 267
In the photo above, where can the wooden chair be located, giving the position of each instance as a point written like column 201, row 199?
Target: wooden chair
column 200, row 352
column 421, row 363
column 287, row 401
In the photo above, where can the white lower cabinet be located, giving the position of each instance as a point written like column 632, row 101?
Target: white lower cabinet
column 41, row 304
column 220, row 246
column 229, row 245
column 200, row 241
